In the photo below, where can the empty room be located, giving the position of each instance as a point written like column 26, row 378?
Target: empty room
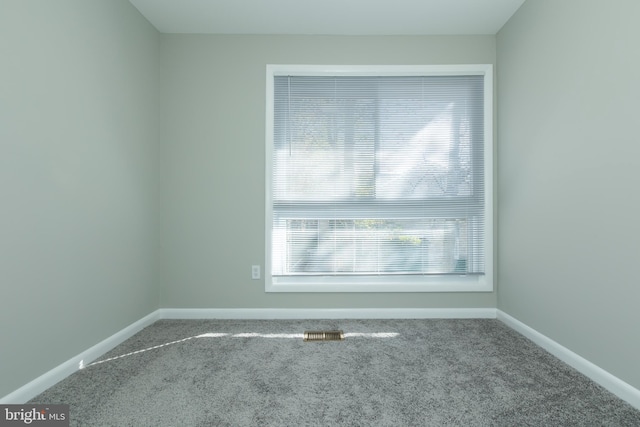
column 347, row 212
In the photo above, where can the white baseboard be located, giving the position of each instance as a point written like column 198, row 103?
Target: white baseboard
column 328, row 313
column 615, row 385
column 60, row 372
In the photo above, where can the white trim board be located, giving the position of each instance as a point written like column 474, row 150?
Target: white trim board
column 328, row 313
column 615, row 385
column 60, row 372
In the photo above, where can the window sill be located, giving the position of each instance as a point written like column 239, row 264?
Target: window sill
column 342, row 284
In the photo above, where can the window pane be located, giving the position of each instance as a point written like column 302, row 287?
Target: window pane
column 325, row 149
column 376, row 246
column 428, row 156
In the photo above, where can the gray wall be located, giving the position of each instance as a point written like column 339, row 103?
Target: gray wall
column 78, row 178
column 568, row 156
column 212, row 161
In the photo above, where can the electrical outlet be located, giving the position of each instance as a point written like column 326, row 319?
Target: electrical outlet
column 255, row 272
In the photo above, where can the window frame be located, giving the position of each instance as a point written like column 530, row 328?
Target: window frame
column 391, row 283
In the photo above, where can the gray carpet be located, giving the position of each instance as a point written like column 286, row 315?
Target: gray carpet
column 385, row 373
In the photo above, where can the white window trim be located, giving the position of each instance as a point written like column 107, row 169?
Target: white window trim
column 409, row 283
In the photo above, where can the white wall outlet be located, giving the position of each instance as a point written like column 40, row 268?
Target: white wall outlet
column 255, row 272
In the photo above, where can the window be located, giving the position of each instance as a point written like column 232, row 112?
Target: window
column 379, row 179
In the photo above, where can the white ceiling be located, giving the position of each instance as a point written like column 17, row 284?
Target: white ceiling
column 341, row 17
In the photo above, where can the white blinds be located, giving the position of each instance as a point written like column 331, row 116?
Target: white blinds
column 378, row 175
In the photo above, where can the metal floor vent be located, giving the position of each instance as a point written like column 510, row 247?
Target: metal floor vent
column 323, row 336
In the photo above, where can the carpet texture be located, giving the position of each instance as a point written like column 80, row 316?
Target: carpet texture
column 385, row 373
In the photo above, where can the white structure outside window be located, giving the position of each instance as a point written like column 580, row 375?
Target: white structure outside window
column 379, row 178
